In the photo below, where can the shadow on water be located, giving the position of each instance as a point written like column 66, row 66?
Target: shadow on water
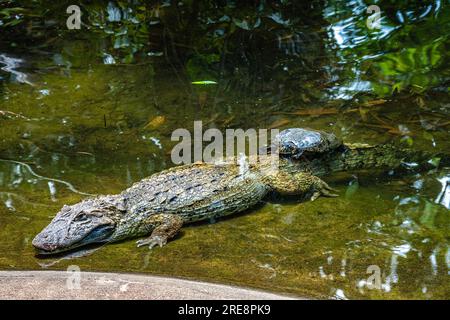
column 92, row 112
column 48, row 260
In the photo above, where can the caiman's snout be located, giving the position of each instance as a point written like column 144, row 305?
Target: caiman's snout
column 45, row 242
column 84, row 223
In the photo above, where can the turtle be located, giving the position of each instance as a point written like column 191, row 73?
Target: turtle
column 295, row 142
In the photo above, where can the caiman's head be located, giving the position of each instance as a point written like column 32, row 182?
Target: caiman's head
column 87, row 222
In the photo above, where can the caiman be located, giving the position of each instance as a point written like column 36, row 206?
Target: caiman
column 158, row 206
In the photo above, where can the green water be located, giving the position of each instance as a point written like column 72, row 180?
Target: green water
column 100, row 127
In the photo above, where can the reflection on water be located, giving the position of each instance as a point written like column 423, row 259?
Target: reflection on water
column 10, row 65
column 444, row 196
column 101, row 111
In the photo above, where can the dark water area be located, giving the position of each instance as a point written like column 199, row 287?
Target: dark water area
column 92, row 111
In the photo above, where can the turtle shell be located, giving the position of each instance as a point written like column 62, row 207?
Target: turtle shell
column 296, row 141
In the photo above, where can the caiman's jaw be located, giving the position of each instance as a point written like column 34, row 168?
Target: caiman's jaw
column 88, row 222
column 49, row 243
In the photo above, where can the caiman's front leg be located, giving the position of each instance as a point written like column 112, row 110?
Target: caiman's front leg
column 165, row 226
column 300, row 184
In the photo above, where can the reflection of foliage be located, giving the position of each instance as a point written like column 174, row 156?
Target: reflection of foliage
column 254, row 44
column 417, row 50
column 408, row 52
column 429, row 214
column 11, row 16
column 411, row 67
column 125, row 27
column 270, row 46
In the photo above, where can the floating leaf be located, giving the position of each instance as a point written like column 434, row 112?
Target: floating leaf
column 155, row 123
column 204, row 82
column 312, row 112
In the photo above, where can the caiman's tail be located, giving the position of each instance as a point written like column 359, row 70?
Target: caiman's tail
column 391, row 156
column 385, row 157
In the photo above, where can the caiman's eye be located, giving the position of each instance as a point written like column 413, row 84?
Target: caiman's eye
column 81, row 217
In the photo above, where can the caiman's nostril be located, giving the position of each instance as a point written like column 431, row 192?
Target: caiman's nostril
column 40, row 242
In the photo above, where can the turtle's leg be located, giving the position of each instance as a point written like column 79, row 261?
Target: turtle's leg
column 165, row 226
column 300, row 184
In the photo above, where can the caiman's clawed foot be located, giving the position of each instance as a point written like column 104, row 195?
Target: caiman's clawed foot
column 165, row 226
column 321, row 188
column 303, row 184
column 152, row 241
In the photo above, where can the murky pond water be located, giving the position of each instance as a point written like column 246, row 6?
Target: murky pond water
column 80, row 117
